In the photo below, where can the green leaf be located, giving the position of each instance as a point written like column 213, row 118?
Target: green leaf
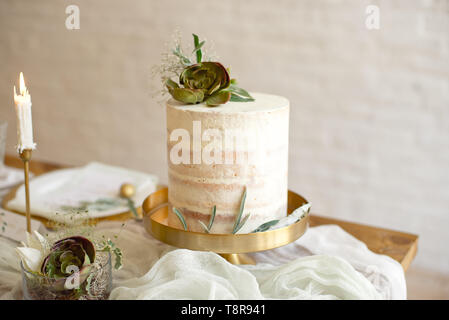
column 212, row 217
column 182, row 58
column 218, row 98
column 132, row 208
column 242, row 223
column 170, row 84
column 238, row 94
column 180, row 217
column 206, row 229
column 110, row 247
column 239, row 91
column 239, row 216
column 118, row 258
column 236, row 98
column 99, row 205
column 265, row 226
column 197, row 50
column 211, row 220
column 188, row 95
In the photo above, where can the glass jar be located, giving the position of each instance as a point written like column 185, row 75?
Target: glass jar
column 92, row 283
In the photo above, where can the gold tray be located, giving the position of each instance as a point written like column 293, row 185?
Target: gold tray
column 231, row 246
column 50, row 224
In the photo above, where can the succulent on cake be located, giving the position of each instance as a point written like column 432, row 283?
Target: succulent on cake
column 205, row 81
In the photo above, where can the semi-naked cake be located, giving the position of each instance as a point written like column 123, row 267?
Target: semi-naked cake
column 216, row 153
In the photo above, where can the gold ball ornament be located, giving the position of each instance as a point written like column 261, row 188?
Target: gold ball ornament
column 127, row 190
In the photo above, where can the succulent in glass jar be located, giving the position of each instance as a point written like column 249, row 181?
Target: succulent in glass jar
column 71, row 268
column 69, row 255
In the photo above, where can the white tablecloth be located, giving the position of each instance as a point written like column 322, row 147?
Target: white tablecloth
column 326, row 263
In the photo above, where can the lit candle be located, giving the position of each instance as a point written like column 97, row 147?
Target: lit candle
column 24, row 121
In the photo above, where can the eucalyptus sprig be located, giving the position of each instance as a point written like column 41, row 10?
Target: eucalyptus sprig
column 239, row 223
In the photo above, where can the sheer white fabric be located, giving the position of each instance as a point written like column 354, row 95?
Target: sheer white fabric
column 326, row 263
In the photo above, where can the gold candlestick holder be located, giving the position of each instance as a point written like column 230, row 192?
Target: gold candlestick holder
column 25, row 155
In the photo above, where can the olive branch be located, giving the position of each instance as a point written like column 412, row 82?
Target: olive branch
column 238, row 224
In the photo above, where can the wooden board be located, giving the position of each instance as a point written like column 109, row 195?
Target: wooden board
column 400, row 246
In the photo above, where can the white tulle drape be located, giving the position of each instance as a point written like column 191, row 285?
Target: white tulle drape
column 326, row 263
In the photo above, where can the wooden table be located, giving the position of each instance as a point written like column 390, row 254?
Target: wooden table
column 400, row 246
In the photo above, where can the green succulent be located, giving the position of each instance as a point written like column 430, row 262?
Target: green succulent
column 203, row 82
column 73, row 251
column 207, row 81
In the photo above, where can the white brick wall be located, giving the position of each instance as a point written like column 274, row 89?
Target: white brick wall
column 370, row 109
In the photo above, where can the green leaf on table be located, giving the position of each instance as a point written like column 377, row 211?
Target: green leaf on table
column 132, row 208
column 101, row 204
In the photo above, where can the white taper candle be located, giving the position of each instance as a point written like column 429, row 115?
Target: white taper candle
column 24, row 120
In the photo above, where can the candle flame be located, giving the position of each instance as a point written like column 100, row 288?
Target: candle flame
column 23, row 88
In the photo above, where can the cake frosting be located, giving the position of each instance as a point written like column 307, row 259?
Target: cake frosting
column 214, row 154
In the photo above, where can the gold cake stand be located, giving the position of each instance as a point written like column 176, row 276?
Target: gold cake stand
column 232, row 247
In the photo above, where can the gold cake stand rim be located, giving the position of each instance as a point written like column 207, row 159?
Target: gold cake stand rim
column 155, row 212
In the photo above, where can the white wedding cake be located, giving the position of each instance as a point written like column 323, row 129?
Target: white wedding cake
column 216, row 153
